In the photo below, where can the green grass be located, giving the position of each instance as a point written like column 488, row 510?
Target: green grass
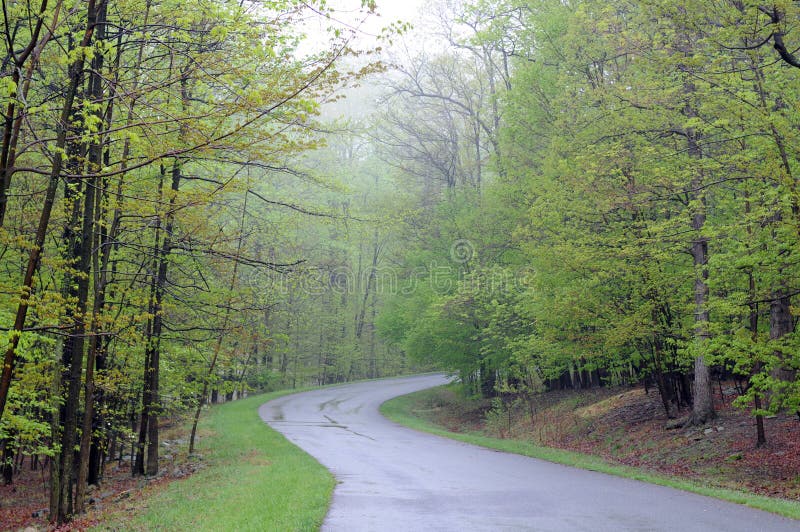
column 406, row 409
column 253, row 479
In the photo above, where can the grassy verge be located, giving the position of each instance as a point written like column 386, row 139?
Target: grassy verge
column 409, row 410
column 252, row 479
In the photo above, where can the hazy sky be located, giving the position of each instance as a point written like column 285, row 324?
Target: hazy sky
column 388, row 11
column 348, row 13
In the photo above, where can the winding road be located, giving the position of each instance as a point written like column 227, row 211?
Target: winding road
column 391, row 478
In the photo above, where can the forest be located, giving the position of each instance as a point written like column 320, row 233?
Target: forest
column 205, row 199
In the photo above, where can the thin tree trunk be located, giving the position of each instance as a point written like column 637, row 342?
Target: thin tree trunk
column 147, row 398
column 152, row 405
column 225, row 321
column 374, row 367
column 761, row 437
column 55, row 429
column 98, row 346
column 13, row 122
column 370, row 285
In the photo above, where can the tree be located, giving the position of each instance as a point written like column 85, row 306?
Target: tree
column 149, row 119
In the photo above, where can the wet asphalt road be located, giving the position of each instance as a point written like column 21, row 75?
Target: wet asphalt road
column 395, row 479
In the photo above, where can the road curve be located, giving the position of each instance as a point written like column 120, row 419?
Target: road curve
column 395, row 479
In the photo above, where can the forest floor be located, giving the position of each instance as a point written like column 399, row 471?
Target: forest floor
column 628, row 426
column 24, row 504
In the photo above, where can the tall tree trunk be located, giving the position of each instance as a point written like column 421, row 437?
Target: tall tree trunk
column 151, row 405
column 781, row 321
column 761, row 437
column 147, row 398
column 75, row 79
column 702, row 405
column 106, row 243
column 73, row 360
column 77, row 255
column 88, row 260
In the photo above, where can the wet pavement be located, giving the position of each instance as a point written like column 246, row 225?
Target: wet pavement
column 391, row 478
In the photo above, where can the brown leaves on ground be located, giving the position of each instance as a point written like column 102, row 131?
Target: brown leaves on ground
column 722, row 452
column 23, row 504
